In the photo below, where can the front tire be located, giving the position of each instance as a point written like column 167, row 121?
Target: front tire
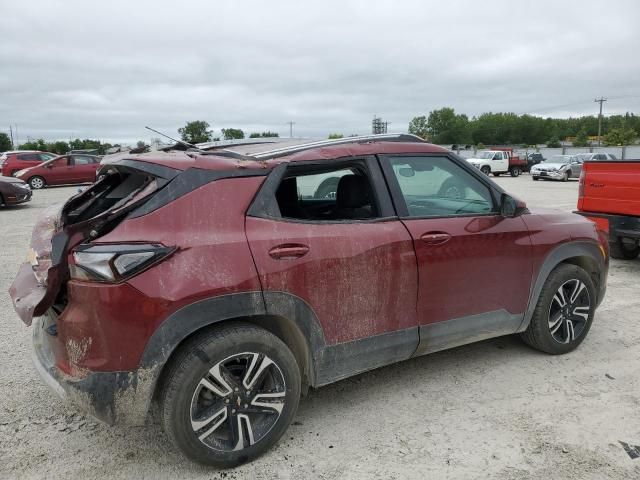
column 535, row 179
column 36, row 183
column 564, row 312
column 486, row 170
column 229, row 395
column 565, row 177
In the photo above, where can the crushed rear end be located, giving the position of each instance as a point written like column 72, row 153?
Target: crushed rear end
column 88, row 215
column 40, row 289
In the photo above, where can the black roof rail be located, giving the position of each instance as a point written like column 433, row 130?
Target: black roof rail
column 382, row 137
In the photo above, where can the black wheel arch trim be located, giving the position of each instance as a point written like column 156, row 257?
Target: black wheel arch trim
column 186, row 321
column 561, row 254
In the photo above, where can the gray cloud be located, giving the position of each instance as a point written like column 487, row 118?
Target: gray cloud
column 104, row 70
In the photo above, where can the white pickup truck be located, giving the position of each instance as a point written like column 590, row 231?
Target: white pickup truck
column 498, row 162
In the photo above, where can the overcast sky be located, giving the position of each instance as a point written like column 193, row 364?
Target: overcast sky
column 106, row 69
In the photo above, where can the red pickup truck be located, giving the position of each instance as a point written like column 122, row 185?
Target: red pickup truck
column 609, row 195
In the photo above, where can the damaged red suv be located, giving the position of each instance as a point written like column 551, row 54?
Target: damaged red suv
column 222, row 284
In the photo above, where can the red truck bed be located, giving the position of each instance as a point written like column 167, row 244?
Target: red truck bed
column 609, row 195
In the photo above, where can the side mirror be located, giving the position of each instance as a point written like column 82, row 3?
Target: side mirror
column 511, row 207
column 407, row 172
column 50, row 165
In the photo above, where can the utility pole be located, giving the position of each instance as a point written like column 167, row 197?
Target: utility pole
column 600, row 100
column 291, row 124
column 11, row 133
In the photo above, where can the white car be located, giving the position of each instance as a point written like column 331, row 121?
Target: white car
column 558, row 167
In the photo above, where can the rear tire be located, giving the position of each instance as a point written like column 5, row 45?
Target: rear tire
column 515, row 171
column 561, row 321
column 36, row 183
column 229, row 395
column 535, row 179
column 624, row 250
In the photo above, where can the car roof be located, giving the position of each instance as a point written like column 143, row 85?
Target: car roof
column 21, row 151
column 265, row 156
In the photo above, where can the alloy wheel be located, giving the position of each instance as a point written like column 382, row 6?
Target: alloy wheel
column 569, row 311
column 238, row 402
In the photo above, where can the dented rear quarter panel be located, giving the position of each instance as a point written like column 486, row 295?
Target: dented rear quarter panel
column 213, row 259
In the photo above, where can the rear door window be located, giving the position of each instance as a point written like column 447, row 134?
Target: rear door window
column 29, row 157
column 338, row 194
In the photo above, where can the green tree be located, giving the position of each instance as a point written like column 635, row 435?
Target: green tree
column 5, row 142
column 335, row 136
column 196, row 132
column 554, row 142
column 418, row 126
column 620, row 136
column 38, row 144
column 444, row 126
column 582, row 139
column 60, row 147
column 232, row 134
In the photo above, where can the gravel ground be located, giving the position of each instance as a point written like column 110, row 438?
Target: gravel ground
column 495, row 409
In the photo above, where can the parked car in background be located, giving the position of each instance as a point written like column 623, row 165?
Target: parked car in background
column 13, row 191
column 587, row 157
column 498, row 161
column 212, row 285
column 609, row 195
column 12, row 162
column 558, row 167
column 62, row 170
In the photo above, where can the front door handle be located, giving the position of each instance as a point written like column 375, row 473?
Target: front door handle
column 288, row 251
column 435, row 238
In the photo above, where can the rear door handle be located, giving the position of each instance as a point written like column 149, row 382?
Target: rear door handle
column 288, row 251
column 435, row 238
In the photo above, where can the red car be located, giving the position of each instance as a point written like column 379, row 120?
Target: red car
column 14, row 161
column 63, row 170
column 220, row 286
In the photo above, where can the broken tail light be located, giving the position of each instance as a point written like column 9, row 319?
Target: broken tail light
column 115, row 263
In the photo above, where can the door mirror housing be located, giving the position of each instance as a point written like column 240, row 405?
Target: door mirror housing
column 511, row 207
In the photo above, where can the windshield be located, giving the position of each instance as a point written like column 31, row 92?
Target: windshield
column 485, row 155
column 559, row 159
